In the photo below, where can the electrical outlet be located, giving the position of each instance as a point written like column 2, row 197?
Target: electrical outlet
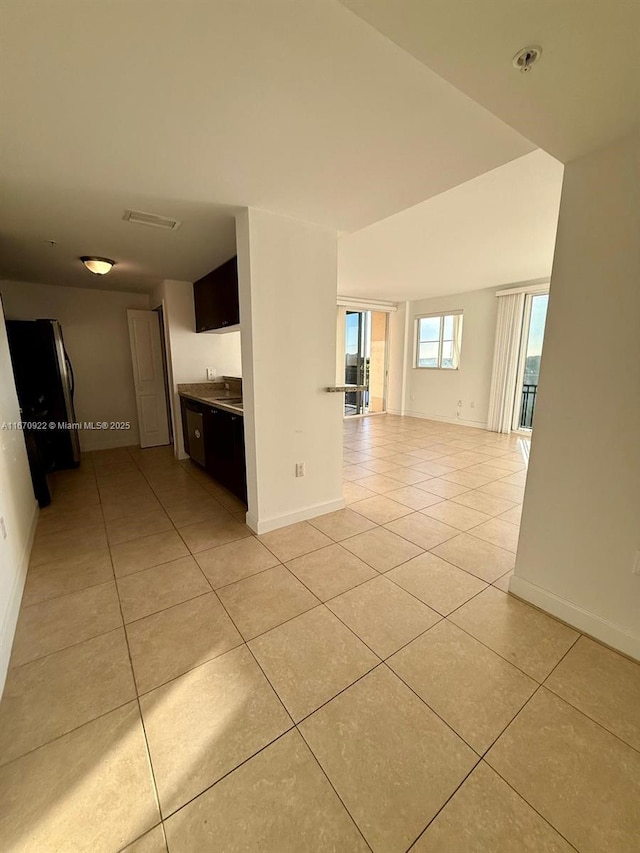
column 3, row 528
column 299, row 469
column 211, row 374
column 636, row 564
column 459, row 404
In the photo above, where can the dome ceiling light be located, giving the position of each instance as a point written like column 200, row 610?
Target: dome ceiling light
column 99, row 266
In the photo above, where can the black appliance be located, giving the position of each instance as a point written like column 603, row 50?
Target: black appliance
column 45, row 386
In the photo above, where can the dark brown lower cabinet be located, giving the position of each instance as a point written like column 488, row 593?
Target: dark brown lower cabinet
column 215, row 439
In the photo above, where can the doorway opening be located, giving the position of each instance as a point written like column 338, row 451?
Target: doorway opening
column 365, row 361
column 534, row 319
column 165, row 365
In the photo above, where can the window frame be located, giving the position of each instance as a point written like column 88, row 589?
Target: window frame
column 457, row 316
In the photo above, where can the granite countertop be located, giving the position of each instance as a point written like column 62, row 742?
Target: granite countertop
column 215, row 394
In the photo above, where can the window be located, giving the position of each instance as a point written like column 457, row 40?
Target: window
column 438, row 340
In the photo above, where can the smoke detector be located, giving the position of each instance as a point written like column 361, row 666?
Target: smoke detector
column 525, row 59
column 151, row 219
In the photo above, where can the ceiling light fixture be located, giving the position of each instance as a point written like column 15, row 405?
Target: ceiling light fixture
column 526, row 58
column 99, row 266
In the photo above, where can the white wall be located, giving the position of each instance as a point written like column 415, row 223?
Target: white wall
column 96, row 336
column 18, row 507
column 190, row 354
column 288, row 290
column 398, row 340
column 581, row 519
column 435, row 393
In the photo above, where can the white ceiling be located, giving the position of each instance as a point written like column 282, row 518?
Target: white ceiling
column 89, row 222
column 190, row 108
column 584, row 93
column 498, row 228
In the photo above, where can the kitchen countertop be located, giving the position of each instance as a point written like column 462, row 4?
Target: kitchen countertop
column 217, row 402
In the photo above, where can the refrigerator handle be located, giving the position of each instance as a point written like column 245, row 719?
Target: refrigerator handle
column 70, row 369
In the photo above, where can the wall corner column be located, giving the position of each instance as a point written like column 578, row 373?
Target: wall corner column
column 287, row 271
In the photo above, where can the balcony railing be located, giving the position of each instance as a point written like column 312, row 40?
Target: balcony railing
column 527, row 406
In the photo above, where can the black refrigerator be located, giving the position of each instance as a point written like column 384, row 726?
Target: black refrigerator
column 45, row 386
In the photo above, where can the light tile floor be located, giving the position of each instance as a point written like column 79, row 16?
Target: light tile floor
column 362, row 681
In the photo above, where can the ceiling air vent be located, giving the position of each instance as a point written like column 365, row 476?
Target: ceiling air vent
column 151, row 219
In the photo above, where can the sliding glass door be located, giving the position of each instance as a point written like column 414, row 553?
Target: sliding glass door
column 365, row 361
column 535, row 315
column 355, row 361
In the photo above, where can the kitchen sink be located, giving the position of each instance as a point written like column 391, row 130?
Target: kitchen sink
column 233, row 401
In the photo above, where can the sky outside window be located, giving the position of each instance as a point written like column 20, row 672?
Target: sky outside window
column 536, row 327
column 351, row 341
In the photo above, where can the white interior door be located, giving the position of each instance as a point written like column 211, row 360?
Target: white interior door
column 148, row 377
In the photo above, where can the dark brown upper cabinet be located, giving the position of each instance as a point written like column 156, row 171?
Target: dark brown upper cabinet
column 216, row 298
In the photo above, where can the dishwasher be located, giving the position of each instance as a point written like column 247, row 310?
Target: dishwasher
column 195, row 429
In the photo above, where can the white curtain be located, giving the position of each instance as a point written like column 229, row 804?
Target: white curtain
column 505, row 362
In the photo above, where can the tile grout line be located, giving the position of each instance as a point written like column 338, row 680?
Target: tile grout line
column 424, row 551
column 490, row 747
column 426, row 704
column 243, row 642
column 99, row 716
column 140, row 715
column 225, row 775
column 68, row 732
column 318, row 549
column 575, row 707
column 159, row 825
column 321, row 603
column 71, row 592
column 334, row 789
column 70, row 646
column 532, row 807
column 482, row 643
column 193, row 554
column 444, row 805
column 539, row 686
column 584, row 713
column 193, row 668
column 295, row 723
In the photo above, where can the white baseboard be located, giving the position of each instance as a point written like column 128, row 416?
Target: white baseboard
column 589, row 623
column 10, row 620
column 265, row 525
column 458, row 421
